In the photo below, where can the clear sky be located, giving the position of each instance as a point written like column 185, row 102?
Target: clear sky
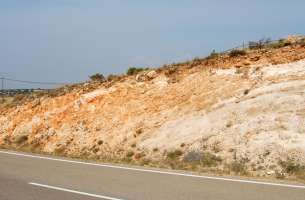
column 68, row 40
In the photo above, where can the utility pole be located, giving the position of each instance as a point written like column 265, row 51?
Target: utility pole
column 2, row 83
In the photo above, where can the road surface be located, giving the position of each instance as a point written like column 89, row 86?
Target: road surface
column 34, row 177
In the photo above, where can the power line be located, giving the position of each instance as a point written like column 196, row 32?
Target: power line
column 31, row 82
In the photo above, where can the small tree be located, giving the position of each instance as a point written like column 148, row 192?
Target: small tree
column 213, row 54
column 97, row 77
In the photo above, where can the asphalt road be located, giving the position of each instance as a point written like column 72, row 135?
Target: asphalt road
column 34, row 177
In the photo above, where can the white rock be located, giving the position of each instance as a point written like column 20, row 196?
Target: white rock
column 152, row 74
column 270, row 172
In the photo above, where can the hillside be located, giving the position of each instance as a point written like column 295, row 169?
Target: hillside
column 238, row 114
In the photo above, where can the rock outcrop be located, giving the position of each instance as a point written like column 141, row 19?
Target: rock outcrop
column 249, row 108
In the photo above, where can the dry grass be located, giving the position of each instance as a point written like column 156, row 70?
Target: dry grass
column 237, row 52
column 173, row 155
column 204, row 159
column 238, row 167
column 293, row 168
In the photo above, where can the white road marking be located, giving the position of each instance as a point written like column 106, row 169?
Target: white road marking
column 74, row 191
column 156, row 171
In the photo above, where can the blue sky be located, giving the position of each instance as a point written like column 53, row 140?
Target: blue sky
column 68, row 40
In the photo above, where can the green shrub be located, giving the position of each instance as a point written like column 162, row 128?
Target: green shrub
column 196, row 61
column 60, row 150
column 112, row 77
column 210, row 160
column 135, row 70
column 129, row 154
column 188, row 62
column 292, row 167
column 97, row 77
column 280, row 43
column 21, row 139
column 237, row 52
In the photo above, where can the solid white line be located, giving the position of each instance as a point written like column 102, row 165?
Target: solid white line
column 157, row 171
column 74, row 191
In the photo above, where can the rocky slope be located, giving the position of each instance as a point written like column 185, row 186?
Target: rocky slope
column 243, row 113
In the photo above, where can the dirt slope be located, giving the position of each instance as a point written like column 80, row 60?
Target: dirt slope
column 246, row 112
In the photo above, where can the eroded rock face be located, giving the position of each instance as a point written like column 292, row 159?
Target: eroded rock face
column 254, row 112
